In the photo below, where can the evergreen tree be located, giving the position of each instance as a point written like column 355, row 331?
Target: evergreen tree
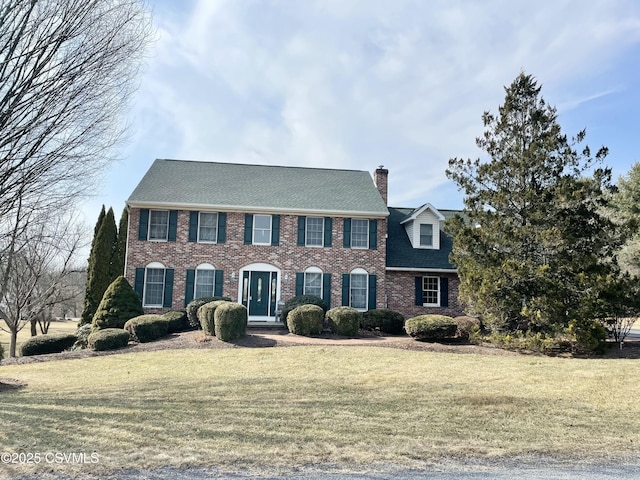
column 99, row 266
column 121, row 246
column 85, row 318
column 119, row 303
column 625, row 211
column 534, row 245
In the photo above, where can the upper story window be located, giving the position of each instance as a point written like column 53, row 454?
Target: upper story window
column 208, row 227
column 359, row 233
column 314, row 232
column 262, row 229
column 159, row 225
column 426, row 235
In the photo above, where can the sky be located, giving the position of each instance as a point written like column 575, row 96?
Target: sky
column 355, row 84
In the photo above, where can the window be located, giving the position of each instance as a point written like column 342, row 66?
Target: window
column 431, row 291
column 204, row 281
column 358, row 291
column 208, row 227
column 262, row 229
column 313, row 282
column 359, row 233
column 158, row 225
column 426, row 235
column 154, row 287
column 314, row 231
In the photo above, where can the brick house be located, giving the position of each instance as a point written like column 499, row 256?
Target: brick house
column 259, row 234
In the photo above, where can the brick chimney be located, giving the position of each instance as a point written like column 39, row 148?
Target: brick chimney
column 380, row 179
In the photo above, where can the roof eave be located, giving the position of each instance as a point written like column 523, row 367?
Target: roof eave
column 421, row 269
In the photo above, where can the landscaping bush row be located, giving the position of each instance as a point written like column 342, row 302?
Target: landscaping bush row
column 225, row 319
column 108, row 339
column 49, row 343
column 147, row 328
column 194, row 305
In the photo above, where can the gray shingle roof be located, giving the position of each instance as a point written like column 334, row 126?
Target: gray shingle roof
column 193, row 184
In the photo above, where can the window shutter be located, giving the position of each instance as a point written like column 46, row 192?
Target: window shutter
column 373, row 234
column 222, row 227
column 373, row 291
column 189, row 286
column 346, row 281
column 143, row 225
column 326, row 289
column 299, row 284
column 248, row 229
column 139, row 282
column 173, row 225
column 193, row 226
column 168, row 288
column 218, row 283
column 419, row 297
column 444, row 292
column 275, row 230
column 302, row 223
column 347, row 233
column 328, row 231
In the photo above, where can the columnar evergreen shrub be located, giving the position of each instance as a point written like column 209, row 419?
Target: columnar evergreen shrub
column 119, row 304
column 386, row 321
column 177, row 320
column 108, row 339
column 431, row 327
column 306, row 320
column 302, row 300
column 344, row 321
column 194, row 305
column 230, row 320
column 49, row 343
column 147, row 328
column 206, row 316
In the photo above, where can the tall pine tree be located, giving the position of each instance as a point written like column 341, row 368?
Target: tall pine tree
column 117, row 265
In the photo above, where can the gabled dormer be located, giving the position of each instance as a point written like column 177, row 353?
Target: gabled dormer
column 423, row 227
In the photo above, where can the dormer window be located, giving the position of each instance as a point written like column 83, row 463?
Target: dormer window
column 426, row 235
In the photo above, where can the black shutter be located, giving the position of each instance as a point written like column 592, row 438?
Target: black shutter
column 419, row 296
column 222, row 227
column 193, row 226
column 346, row 282
column 347, row 233
column 373, row 234
column 139, row 282
column 189, row 286
column 275, row 230
column 328, row 231
column 444, row 292
column 218, row 283
column 373, row 291
column 302, row 223
column 173, row 225
column 168, row 288
column 299, row 284
column 326, row 289
column 248, row 229
column 143, row 224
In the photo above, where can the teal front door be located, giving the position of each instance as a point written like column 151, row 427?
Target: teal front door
column 259, row 294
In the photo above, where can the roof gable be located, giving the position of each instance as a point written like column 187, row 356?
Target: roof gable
column 418, row 211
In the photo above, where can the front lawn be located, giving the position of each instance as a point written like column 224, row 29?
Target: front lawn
column 295, row 406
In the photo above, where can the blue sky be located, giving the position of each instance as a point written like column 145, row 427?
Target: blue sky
column 360, row 83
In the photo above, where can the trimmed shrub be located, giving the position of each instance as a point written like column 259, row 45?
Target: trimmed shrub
column 306, row 320
column 230, row 321
column 206, row 315
column 302, row 300
column 119, row 303
column 431, row 327
column 147, row 328
column 344, row 321
column 386, row 321
column 194, row 305
column 82, row 333
column 467, row 325
column 108, row 339
column 49, row 343
column 177, row 320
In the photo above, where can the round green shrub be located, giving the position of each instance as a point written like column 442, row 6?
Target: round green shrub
column 108, row 339
column 431, row 327
column 119, row 303
column 230, row 320
column 306, row 320
column 344, row 321
column 49, row 343
column 302, row 300
column 466, row 325
column 194, row 305
column 177, row 320
column 206, row 316
column 147, row 328
column 385, row 321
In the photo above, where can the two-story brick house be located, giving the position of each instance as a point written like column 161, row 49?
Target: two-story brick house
column 259, row 234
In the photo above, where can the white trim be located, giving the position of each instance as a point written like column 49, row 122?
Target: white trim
column 317, row 271
column 200, row 223
column 154, row 266
column 260, row 267
column 368, row 230
column 253, row 230
column 438, row 302
column 426, row 206
column 360, row 271
column 166, row 238
column 421, row 270
column 435, row 229
column 306, row 231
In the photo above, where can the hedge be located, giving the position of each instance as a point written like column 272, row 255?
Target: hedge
column 230, row 321
column 49, row 343
column 344, row 321
column 206, row 315
column 386, row 321
column 194, row 305
column 302, row 300
column 147, row 328
column 431, row 327
column 306, row 320
column 108, row 339
column 177, row 320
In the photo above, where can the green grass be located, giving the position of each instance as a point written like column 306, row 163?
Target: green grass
column 62, row 326
column 286, row 407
